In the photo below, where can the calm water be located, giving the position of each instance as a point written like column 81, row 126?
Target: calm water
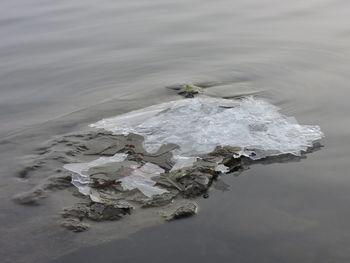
column 64, row 64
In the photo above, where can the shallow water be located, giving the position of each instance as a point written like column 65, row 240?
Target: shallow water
column 65, row 64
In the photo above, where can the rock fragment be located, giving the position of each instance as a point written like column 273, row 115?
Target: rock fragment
column 74, row 216
column 98, row 211
column 74, row 224
column 160, row 200
column 103, row 212
column 183, row 211
column 186, row 90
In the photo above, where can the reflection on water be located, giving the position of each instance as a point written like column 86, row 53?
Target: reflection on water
column 65, row 63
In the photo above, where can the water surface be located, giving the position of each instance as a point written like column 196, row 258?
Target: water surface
column 65, row 64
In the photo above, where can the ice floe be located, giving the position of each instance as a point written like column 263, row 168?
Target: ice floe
column 199, row 125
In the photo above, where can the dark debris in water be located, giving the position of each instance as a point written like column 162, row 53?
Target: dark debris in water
column 186, row 90
column 183, row 211
column 74, row 216
column 112, row 201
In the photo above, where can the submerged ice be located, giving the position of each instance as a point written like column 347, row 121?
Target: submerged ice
column 198, row 125
column 140, row 177
column 81, row 178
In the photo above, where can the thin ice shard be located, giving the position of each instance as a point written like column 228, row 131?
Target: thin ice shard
column 141, row 179
column 182, row 162
column 80, row 177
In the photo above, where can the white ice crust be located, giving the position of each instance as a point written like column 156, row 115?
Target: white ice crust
column 199, row 125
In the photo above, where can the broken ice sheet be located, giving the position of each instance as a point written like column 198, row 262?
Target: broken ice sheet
column 199, row 125
column 141, row 179
column 182, row 162
column 80, row 177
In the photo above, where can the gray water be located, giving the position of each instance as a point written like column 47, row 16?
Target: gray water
column 64, row 64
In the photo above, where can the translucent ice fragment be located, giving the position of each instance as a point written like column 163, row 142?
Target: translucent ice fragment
column 222, row 169
column 141, row 179
column 80, row 177
column 182, row 162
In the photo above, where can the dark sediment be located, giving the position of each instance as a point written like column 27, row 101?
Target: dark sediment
column 108, row 200
column 73, row 216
